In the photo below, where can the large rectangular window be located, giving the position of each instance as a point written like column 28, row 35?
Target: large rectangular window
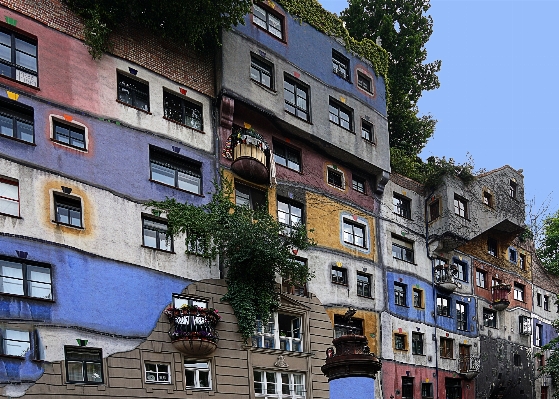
column 290, row 214
column 296, row 98
column 175, row 171
column 278, row 385
column 282, row 331
column 354, row 233
column 462, row 268
column 9, row 197
column 340, row 65
column 16, row 121
column 155, row 234
column 402, row 249
column 248, row 196
column 447, row 348
column 182, row 111
column 287, row 156
column 18, row 57
column 83, row 365
column 519, row 290
column 197, row 375
column 267, row 21
column 341, row 115
column 261, row 71
column 460, row 206
column 443, row 306
column 481, row 278
column 68, row 210
column 402, row 206
column 132, row 91
column 25, row 278
column 15, row 342
column 417, row 343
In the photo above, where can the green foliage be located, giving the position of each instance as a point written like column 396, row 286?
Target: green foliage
column 548, row 250
column 551, row 366
column 195, row 23
column 311, row 12
column 252, row 245
column 432, row 172
column 404, row 28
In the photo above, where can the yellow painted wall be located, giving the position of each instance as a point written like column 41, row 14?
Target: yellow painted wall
column 370, row 325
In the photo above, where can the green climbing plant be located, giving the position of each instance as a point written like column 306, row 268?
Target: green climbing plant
column 252, row 245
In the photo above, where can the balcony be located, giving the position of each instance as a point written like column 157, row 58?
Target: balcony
column 250, row 155
column 500, row 294
column 446, row 277
column 469, row 366
column 193, row 329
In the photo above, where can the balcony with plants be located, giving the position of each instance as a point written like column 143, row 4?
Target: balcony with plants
column 250, row 154
column 446, row 277
column 500, row 296
column 193, row 329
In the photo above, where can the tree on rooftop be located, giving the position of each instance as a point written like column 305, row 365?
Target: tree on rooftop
column 404, row 28
column 548, row 244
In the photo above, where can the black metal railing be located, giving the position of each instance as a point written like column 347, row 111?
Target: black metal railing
column 193, row 323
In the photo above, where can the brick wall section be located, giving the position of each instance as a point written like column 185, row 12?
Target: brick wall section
column 192, row 69
column 408, row 183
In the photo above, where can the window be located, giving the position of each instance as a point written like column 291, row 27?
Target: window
column 180, row 300
column 522, row 262
column 364, row 82
column 354, row 234
column 460, row 206
column 453, row 388
column 282, row 331
column 174, row 170
column 402, row 249
column 287, row 156
column 489, row 318
column 517, row 360
column 538, row 338
column 434, row 210
column 481, row 278
column 363, row 285
column 267, row 21
column 68, row 210
column 289, row 215
column 15, row 342
column 367, row 131
column 495, row 281
column 71, row 135
column 519, row 292
column 342, row 326
column 546, row 302
column 261, row 72
column 524, row 325
column 18, row 57
column 339, row 275
column 461, row 316
column 488, row 199
column 9, row 197
column 418, row 298
column 335, row 178
column 447, row 346
column 155, row 234
column 25, row 278
column 513, row 255
column 83, row 365
column 296, row 102
column 197, row 375
column 278, row 385
column 158, row 373
column 180, row 110
column 417, row 343
column 340, row 65
column 248, row 196
column 132, row 91
column 462, row 269
column 402, row 206
column 16, row 120
column 341, row 115
column 539, row 299
column 400, row 342
column 400, row 294
column 407, row 388
column 358, row 184
column 492, row 247
column 426, row 390
column 512, row 189
column 443, row 306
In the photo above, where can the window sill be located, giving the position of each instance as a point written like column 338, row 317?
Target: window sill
column 298, row 117
column 288, row 168
column 360, row 192
column 419, row 307
column 158, row 249
column 166, row 383
column 356, row 246
column 365, row 296
column 68, row 225
column 10, row 80
column 341, row 127
column 18, row 140
column 73, row 383
column 12, row 357
column 419, row 354
column 403, row 306
column 277, row 351
column 183, row 125
column 342, row 189
column 342, row 284
column 462, row 217
column 132, row 106
column 263, row 86
column 448, row 358
column 401, row 350
column 405, row 217
column 84, row 150
column 197, row 389
column 444, row 315
column 176, row 188
column 370, row 142
column 26, row 297
column 411, row 263
column 13, row 216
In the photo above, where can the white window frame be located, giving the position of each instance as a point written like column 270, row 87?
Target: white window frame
column 272, row 24
column 269, row 335
column 161, row 244
column 157, row 373
column 525, row 325
column 8, row 198
column 33, row 276
column 519, row 292
column 196, row 366
column 267, row 379
column 14, row 340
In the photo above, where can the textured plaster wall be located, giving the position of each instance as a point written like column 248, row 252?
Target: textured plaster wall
column 370, row 325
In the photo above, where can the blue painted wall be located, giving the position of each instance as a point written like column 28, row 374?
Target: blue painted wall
column 352, row 388
column 118, row 157
column 311, row 51
column 548, row 334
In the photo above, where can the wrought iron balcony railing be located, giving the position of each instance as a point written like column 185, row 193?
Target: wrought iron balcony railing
column 469, row 366
column 446, row 277
column 193, row 329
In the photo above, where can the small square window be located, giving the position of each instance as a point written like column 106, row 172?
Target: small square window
column 68, row 210
column 261, row 71
column 339, row 275
column 290, row 214
column 15, row 342
column 16, row 120
column 158, row 373
column 341, row 115
column 481, row 278
column 447, row 348
column 512, row 188
column 25, row 278
column 460, row 206
column 519, row 292
column 417, row 343
column 83, row 365
column 287, row 156
column 400, row 294
column 434, row 210
column 249, row 196
column 9, row 197
column 546, row 302
column 402, row 249
column 400, row 342
column 363, row 285
column 335, row 178
column 132, row 91
column 418, row 298
column 402, row 206
column 492, row 246
column 367, row 131
column 358, row 184
column 180, row 110
column 340, row 65
column 489, row 318
column 488, row 199
column 268, row 21
column 175, row 170
column 18, row 58
column 364, row 83
column 342, row 326
column 155, row 234
column 443, row 306
column 296, row 98
column 197, row 375
column 70, row 134
column 354, row 233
